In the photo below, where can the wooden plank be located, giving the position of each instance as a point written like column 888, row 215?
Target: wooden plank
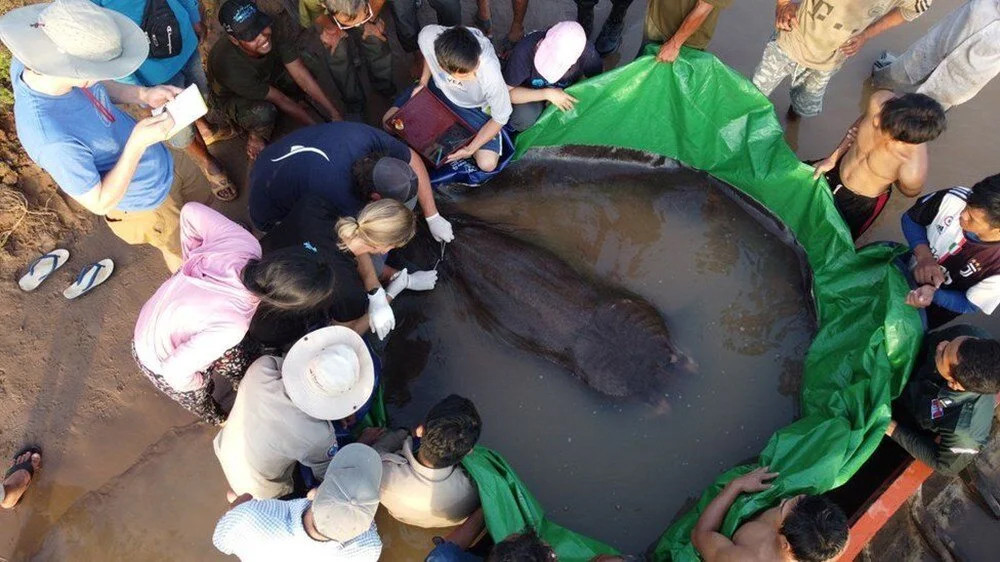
column 882, row 509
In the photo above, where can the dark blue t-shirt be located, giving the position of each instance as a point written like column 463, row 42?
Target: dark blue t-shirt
column 318, row 160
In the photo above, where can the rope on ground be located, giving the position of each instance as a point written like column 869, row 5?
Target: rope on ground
column 13, row 202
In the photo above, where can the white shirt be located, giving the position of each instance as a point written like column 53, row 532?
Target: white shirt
column 266, row 435
column 487, row 91
column 272, row 531
column 425, row 497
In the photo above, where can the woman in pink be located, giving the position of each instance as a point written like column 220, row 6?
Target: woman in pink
column 195, row 323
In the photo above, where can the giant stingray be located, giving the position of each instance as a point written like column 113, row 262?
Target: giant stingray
column 615, row 341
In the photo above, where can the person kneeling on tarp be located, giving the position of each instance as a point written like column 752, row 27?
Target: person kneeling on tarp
column 955, row 237
column 542, row 64
column 290, row 410
column 800, row 528
column 944, row 415
column 423, row 483
column 335, row 522
column 467, row 78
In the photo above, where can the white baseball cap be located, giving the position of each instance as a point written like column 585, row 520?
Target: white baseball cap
column 74, row 39
column 329, row 373
column 346, row 501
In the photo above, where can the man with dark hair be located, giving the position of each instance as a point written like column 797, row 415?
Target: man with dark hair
column 422, row 482
column 885, row 146
column 799, row 529
column 945, row 413
column 467, row 78
column 325, row 160
column 525, row 546
column 955, row 237
column 255, row 70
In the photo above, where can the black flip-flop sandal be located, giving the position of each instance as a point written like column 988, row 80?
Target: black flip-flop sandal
column 26, row 465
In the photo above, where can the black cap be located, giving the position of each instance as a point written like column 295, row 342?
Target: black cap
column 242, row 19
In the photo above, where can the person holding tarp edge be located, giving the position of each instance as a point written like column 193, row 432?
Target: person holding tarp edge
column 886, row 146
column 801, row 528
column 675, row 23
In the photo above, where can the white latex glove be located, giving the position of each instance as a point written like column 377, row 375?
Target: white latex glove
column 440, row 228
column 422, row 280
column 398, row 283
column 381, row 320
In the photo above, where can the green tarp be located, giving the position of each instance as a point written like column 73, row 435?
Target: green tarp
column 705, row 115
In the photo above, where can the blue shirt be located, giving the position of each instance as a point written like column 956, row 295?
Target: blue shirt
column 446, row 551
column 318, row 160
column 154, row 72
column 69, row 138
column 271, row 530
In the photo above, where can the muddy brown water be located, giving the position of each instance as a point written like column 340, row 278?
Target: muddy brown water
column 731, row 294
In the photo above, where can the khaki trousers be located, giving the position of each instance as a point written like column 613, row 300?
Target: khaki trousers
column 160, row 227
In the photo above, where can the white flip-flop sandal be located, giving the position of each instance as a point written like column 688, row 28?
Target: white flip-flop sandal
column 40, row 269
column 91, row 276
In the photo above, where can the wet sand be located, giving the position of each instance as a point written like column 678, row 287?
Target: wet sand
column 67, row 381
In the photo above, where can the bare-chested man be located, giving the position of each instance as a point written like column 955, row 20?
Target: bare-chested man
column 885, row 146
column 799, row 529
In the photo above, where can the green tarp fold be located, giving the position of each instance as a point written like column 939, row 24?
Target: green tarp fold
column 702, row 113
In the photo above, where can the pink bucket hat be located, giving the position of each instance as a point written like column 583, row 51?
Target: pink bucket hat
column 559, row 50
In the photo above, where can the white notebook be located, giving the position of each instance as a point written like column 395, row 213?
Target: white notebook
column 186, row 108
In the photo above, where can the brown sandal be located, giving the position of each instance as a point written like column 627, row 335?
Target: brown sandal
column 220, row 184
column 220, row 134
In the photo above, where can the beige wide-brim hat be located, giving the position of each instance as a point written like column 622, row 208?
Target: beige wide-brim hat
column 329, row 373
column 74, row 39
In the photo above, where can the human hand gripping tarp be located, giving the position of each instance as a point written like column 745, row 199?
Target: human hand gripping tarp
column 705, row 115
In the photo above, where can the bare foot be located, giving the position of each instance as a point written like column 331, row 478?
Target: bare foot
column 17, row 483
column 255, row 144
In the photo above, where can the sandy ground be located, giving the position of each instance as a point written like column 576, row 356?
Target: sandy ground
column 127, row 474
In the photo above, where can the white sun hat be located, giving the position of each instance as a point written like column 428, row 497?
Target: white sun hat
column 74, row 39
column 328, row 373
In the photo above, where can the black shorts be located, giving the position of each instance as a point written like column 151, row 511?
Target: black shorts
column 858, row 211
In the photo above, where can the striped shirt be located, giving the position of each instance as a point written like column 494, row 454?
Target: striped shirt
column 271, row 530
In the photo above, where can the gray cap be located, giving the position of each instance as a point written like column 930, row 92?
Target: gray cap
column 346, row 501
column 394, row 179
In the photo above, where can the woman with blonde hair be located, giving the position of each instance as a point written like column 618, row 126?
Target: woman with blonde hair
column 352, row 246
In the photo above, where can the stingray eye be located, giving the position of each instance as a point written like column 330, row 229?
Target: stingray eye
column 673, row 358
